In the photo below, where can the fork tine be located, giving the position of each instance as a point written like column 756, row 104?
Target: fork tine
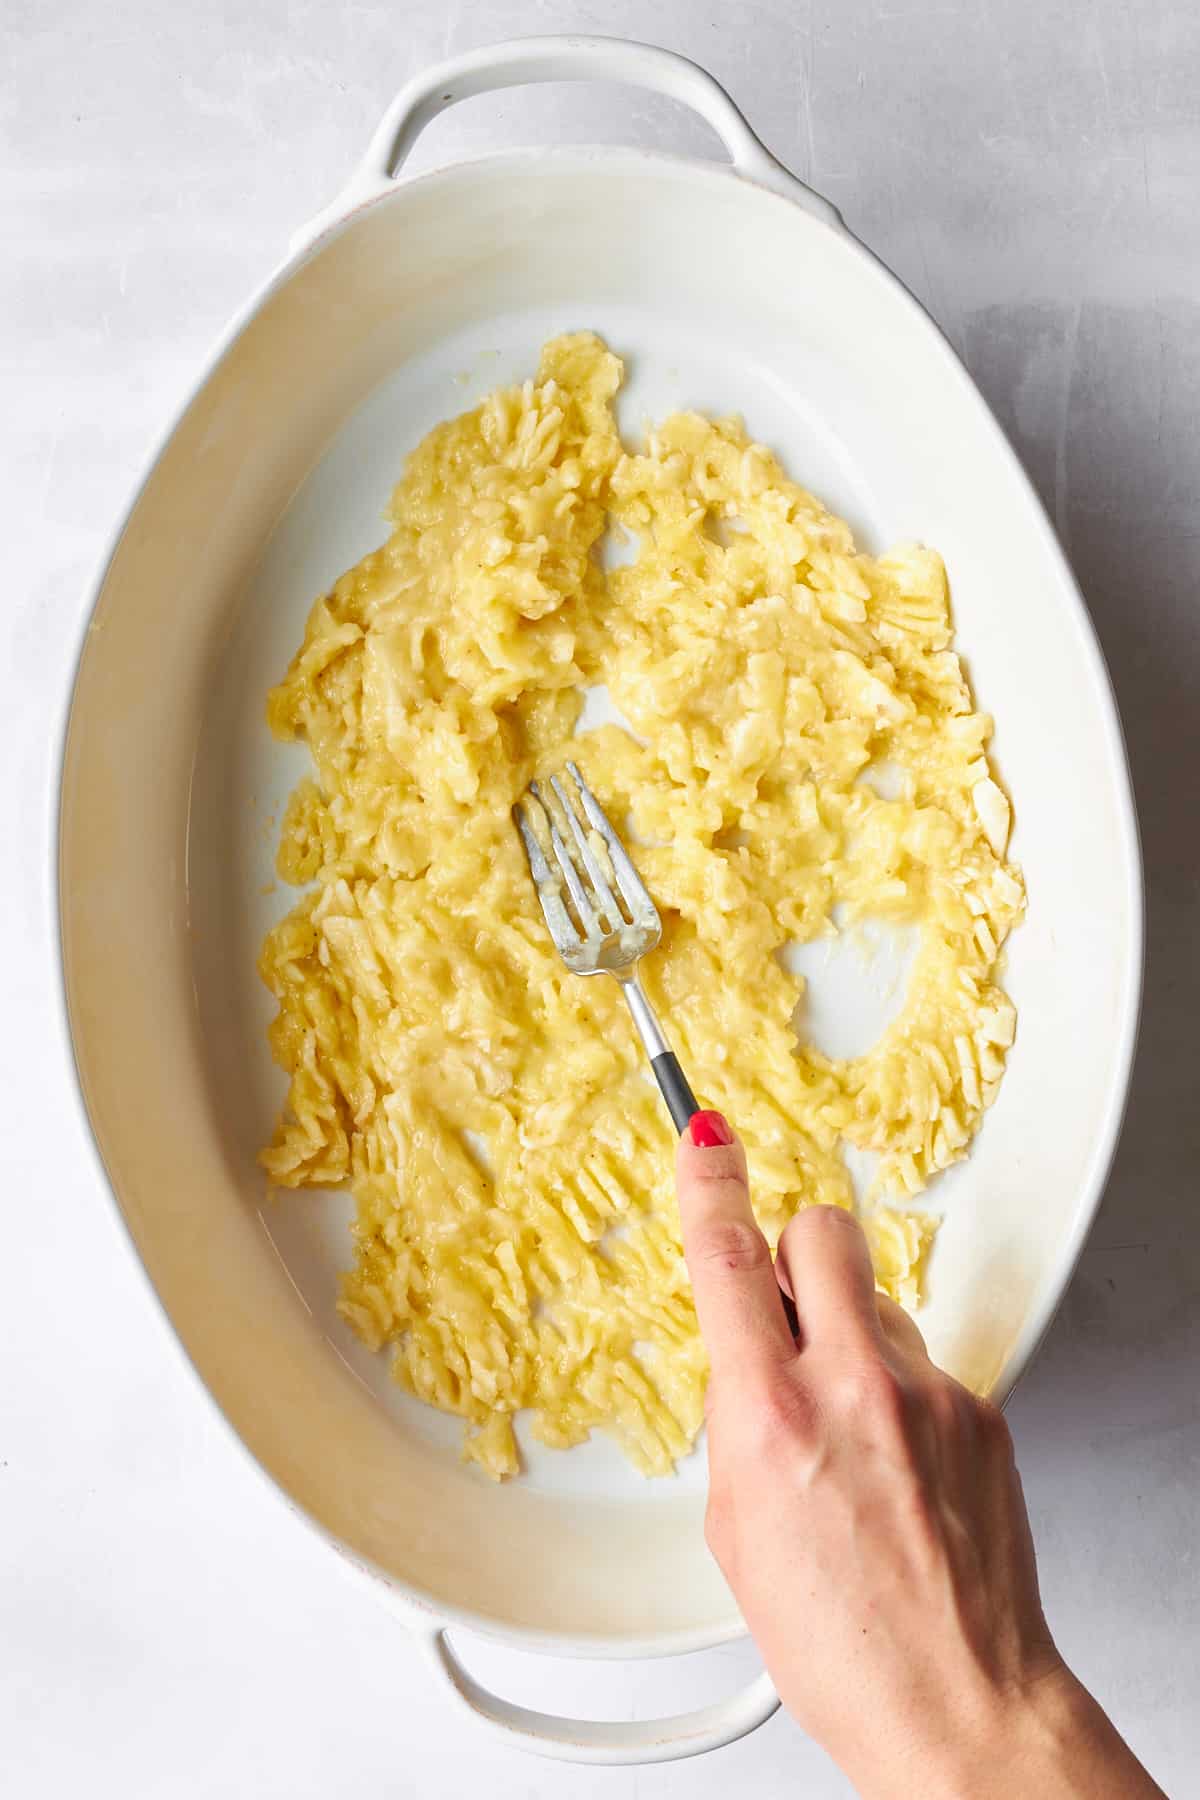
column 618, row 950
column 599, row 881
column 565, row 936
column 583, row 901
column 632, row 886
column 533, row 848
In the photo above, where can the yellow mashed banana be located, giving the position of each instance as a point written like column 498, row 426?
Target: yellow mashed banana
column 517, row 1240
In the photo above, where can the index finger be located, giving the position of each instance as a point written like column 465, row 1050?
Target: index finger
column 738, row 1301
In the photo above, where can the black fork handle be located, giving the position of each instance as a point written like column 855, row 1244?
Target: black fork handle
column 673, row 1083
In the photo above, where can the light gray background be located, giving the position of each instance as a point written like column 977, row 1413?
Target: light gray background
column 1032, row 170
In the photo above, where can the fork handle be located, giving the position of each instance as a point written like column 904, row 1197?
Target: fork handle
column 673, row 1083
column 681, row 1102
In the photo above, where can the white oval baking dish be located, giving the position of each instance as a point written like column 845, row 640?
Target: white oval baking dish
column 726, row 287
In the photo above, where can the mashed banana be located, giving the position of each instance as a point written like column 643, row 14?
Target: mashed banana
column 517, row 1241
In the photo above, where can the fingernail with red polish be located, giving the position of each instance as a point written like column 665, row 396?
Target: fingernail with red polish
column 709, row 1129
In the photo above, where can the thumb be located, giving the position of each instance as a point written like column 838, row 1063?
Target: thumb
column 737, row 1296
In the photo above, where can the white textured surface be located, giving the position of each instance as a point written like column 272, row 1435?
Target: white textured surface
column 1031, row 170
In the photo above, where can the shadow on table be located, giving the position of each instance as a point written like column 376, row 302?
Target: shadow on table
column 1101, row 404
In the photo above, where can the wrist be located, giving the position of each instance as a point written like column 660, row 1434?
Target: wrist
column 1046, row 1738
column 1040, row 1738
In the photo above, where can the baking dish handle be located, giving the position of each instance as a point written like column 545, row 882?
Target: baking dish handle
column 612, row 1741
column 538, row 59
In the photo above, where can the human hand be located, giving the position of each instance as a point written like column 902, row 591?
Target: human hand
column 867, row 1513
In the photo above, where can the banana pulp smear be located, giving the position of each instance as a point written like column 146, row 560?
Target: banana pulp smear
column 517, row 1240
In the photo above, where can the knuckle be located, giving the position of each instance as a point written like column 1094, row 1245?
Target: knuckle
column 817, row 1221
column 873, row 1393
column 765, row 1416
column 722, row 1186
column 774, row 1412
column 898, row 1324
column 951, row 1409
column 733, row 1244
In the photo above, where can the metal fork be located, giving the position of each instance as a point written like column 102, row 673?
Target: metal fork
column 600, row 913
